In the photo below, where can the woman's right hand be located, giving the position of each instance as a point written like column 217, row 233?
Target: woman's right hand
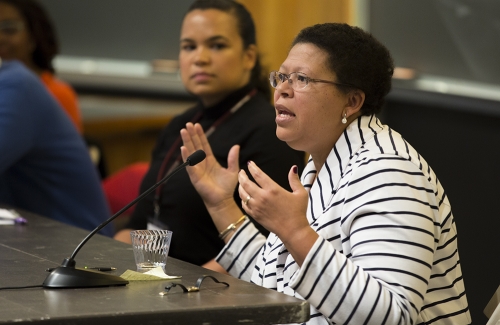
column 215, row 184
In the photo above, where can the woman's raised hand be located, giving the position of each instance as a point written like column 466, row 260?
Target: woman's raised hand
column 275, row 208
column 214, row 183
column 279, row 211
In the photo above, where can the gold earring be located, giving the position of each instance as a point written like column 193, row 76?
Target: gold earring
column 344, row 119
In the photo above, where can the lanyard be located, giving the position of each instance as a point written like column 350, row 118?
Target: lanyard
column 176, row 145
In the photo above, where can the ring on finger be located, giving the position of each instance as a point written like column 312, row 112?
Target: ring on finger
column 247, row 199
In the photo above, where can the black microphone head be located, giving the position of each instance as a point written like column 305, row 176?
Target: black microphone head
column 196, row 157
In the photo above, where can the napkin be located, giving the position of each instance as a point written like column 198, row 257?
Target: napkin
column 151, row 275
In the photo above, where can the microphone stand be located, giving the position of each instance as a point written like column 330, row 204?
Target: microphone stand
column 68, row 276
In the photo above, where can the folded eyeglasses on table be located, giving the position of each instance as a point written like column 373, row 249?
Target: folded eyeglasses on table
column 194, row 288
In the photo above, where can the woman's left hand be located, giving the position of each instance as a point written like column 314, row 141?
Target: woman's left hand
column 275, row 208
column 214, row 183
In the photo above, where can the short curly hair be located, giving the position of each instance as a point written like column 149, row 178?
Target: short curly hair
column 41, row 29
column 356, row 58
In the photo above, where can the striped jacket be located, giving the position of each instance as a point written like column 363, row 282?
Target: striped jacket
column 387, row 247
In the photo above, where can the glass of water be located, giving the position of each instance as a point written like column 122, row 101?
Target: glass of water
column 150, row 248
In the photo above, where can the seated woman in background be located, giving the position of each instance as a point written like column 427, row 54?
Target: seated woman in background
column 219, row 65
column 27, row 35
column 366, row 235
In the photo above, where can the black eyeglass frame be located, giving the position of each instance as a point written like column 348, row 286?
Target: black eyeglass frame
column 308, row 79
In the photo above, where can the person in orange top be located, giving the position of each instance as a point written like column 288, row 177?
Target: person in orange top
column 27, row 35
column 65, row 95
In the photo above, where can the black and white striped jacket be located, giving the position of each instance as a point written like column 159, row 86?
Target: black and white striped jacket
column 387, row 247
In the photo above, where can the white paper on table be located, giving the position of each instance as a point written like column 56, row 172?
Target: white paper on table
column 8, row 214
column 151, row 275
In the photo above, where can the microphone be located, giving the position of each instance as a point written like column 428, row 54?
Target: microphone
column 68, row 276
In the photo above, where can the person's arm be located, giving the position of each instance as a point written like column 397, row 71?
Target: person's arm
column 17, row 127
column 273, row 156
column 387, row 212
column 124, row 236
column 214, row 183
column 279, row 211
column 214, row 266
column 216, row 186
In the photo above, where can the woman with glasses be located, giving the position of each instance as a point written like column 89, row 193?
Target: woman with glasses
column 27, row 35
column 366, row 235
column 219, row 65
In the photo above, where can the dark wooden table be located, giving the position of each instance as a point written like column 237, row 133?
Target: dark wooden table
column 27, row 251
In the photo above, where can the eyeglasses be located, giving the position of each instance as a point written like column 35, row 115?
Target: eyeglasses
column 11, row 27
column 298, row 80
